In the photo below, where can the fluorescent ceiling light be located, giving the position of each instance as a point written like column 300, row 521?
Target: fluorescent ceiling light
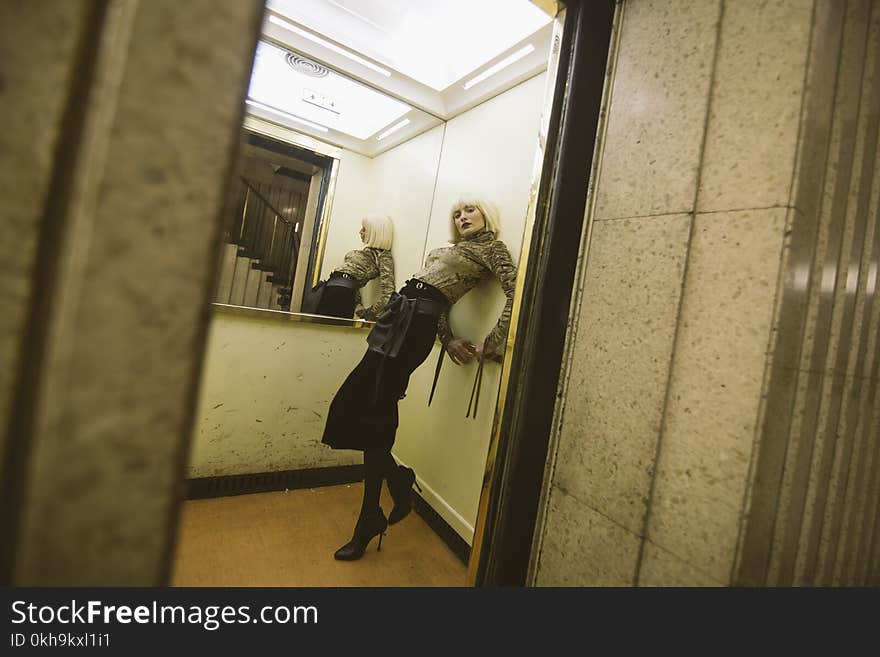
column 357, row 110
column 331, row 46
column 356, row 15
column 435, row 43
column 393, row 128
column 504, row 63
column 286, row 115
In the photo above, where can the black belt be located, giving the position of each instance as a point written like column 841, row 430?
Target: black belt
column 389, row 332
column 391, row 326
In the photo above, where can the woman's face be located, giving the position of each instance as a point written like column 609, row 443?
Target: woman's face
column 468, row 220
column 363, row 234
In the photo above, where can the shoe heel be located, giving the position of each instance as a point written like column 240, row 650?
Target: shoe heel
column 379, row 549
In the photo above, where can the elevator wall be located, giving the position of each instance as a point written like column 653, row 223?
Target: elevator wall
column 717, row 414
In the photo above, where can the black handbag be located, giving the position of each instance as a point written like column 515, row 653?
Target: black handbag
column 312, row 299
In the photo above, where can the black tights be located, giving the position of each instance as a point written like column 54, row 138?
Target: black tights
column 378, row 465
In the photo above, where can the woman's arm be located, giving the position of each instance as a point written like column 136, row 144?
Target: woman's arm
column 501, row 265
column 443, row 330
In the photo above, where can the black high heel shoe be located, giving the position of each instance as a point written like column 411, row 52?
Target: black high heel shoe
column 401, row 493
column 367, row 527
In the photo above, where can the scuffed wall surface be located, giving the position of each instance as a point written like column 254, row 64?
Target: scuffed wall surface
column 266, row 389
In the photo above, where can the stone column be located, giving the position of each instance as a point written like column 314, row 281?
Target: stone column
column 136, row 130
column 692, row 319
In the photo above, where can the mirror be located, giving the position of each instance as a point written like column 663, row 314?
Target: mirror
column 366, row 109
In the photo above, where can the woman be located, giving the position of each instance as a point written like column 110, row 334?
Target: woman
column 341, row 295
column 363, row 414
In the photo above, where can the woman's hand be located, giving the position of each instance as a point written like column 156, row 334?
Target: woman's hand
column 460, row 351
column 359, row 311
column 483, row 352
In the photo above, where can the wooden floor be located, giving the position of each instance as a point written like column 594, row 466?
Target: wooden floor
column 288, row 539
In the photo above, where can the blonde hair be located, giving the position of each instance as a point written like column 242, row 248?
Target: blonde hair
column 380, row 231
column 487, row 209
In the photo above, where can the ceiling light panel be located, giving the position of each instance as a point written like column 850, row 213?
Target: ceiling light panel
column 314, row 38
column 291, row 84
column 500, row 66
column 436, row 43
column 393, row 129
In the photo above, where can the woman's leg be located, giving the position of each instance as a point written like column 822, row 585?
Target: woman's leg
column 413, row 353
column 371, row 520
column 372, row 482
column 378, row 462
column 378, row 465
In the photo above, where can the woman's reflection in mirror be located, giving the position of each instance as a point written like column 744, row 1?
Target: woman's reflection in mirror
column 363, row 414
column 341, row 294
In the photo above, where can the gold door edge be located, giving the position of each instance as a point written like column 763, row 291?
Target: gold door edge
column 324, row 223
column 537, row 176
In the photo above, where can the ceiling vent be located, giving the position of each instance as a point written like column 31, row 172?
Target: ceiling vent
column 306, row 66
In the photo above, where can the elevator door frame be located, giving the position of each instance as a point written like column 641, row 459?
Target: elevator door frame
column 508, row 508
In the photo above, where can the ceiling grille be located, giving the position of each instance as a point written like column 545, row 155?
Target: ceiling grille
column 306, row 66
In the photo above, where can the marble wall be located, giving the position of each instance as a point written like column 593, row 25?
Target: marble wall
column 825, row 508
column 117, row 329
column 686, row 355
column 47, row 38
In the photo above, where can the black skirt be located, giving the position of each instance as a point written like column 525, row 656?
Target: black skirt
column 363, row 415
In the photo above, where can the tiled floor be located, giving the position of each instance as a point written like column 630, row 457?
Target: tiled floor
column 288, row 539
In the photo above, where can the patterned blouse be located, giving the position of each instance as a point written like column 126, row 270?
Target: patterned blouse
column 365, row 265
column 457, row 269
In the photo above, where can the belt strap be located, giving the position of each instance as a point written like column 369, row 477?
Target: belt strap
column 478, row 383
column 389, row 332
column 386, row 337
column 437, row 373
column 475, row 391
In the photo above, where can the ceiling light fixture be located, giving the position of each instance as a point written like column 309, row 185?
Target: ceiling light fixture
column 286, row 115
column 331, row 46
column 397, row 126
column 358, row 16
column 504, row 63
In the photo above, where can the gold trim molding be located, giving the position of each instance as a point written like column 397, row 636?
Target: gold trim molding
column 538, row 174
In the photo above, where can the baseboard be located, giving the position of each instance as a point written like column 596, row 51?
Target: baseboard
column 443, row 529
column 266, row 482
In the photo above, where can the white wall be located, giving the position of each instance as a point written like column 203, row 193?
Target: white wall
column 352, row 199
column 398, row 183
column 404, row 186
column 488, row 151
column 266, row 388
